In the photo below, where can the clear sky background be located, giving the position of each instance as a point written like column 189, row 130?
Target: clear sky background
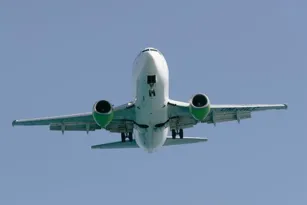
column 59, row 57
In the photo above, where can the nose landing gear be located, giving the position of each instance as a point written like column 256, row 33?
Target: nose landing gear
column 175, row 133
column 124, row 136
column 151, row 81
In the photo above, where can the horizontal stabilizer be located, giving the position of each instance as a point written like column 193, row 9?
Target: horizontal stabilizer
column 169, row 142
column 186, row 140
column 116, row 145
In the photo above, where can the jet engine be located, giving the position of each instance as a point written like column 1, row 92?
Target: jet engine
column 199, row 106
column 103, row 113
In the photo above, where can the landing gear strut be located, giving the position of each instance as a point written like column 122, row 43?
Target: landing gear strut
column 180, row 133
column 124, row 136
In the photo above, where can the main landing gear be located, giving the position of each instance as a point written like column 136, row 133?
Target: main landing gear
column 175, row 133
column 125, row 136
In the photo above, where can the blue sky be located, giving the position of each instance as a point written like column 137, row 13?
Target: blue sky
column 59, row 57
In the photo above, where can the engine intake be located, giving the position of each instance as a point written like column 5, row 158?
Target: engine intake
column 103, row 113
column 103, row 106
column 200, row 100
column 199, row 106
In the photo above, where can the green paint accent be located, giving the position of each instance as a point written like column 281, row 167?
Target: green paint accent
column 199, row 113
column 103, row 119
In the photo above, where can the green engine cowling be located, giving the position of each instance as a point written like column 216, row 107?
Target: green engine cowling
column 103, row 113
column 199, row 106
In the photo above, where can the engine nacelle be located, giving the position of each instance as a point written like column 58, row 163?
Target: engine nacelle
column 199, row 106
column 103, row 113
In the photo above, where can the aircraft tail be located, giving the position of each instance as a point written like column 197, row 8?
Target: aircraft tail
column 116, row 145
column 186, row 140
column 169, row 142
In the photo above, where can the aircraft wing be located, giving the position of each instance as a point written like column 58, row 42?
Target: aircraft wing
column 180, row 115
column 122, row 122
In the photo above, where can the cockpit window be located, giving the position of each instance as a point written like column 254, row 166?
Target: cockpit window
column 149, row 49
column 145, row 50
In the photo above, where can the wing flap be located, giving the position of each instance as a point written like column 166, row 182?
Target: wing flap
column 74, row 127
column 248, row 107
column 182, row 122
column 120, row 126
column 216, row 117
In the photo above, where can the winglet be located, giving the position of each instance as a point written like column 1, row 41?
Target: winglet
column 13, row 123
column 286, row 106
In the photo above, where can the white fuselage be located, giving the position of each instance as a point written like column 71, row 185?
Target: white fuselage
column 151, row 93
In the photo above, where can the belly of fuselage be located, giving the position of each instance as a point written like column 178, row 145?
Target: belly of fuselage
column 151, row 102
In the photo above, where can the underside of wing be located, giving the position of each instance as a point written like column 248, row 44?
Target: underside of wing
column 66, row 119
column 225, row 113
column 121, row 121
column 181, row 116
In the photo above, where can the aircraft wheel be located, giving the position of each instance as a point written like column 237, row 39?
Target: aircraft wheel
column 130, row 136
column 123, row 137
column 174, row 134
column 181, row 133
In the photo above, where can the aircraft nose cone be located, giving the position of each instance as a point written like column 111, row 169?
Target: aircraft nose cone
column 149, row 62
column 148, row 57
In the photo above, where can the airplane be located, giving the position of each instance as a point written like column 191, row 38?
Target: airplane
column 146, row 121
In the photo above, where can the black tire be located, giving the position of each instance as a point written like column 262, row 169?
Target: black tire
column 181, row 133
column 130, row 136
column 174, row 134
column 123, row 136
